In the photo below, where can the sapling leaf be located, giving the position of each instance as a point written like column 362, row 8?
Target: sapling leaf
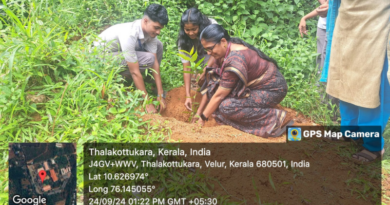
column 184, row 57
column 186, row 52
column 194, row 57
column 199, row 62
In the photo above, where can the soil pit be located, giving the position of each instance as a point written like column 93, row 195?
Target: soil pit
column 176, row 117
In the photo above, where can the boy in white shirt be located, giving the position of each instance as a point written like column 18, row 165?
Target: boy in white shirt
column 137, row 42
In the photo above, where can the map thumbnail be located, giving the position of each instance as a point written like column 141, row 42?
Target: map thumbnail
column 42, row 170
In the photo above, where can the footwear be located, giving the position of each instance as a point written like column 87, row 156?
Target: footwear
column 289, row 123
column 278, row 132
column 342, row 139
column 345, row 139
column 365, row 156
column 281, row 130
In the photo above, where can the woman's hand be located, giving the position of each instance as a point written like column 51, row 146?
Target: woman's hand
column 188, row 103
column 200, row 122
column 197, row 119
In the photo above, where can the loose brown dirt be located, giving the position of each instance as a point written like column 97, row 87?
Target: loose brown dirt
column 176, row 117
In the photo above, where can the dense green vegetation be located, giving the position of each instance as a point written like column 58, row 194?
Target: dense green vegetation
column 54, row 87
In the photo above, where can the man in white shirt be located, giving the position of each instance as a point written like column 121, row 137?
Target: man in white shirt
column 137, row 42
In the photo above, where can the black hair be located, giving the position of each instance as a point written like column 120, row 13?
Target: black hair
column 194, row 16
column 157, row 13
column 214, row 33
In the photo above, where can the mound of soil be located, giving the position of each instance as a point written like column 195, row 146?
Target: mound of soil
column 176, row 117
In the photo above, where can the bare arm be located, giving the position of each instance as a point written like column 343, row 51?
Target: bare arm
column 310, row 15
column 302, row 23
column 211, row 61
column 187, row 81
column 157, row 76
column 187, row 78
column 137, row 77
column 140, row 84
column 203, row 104
column 323, row 9
column 215, row 101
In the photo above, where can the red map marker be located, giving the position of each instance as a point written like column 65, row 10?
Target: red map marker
column 42, row 175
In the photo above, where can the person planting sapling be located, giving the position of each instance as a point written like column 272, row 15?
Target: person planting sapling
column 192, row 24
column 244, row 88
column 137, row 42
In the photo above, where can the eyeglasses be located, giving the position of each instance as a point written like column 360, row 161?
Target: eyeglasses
column 210, row 48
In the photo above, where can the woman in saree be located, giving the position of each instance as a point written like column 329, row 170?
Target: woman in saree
column 244, row 88
column 192, row 24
